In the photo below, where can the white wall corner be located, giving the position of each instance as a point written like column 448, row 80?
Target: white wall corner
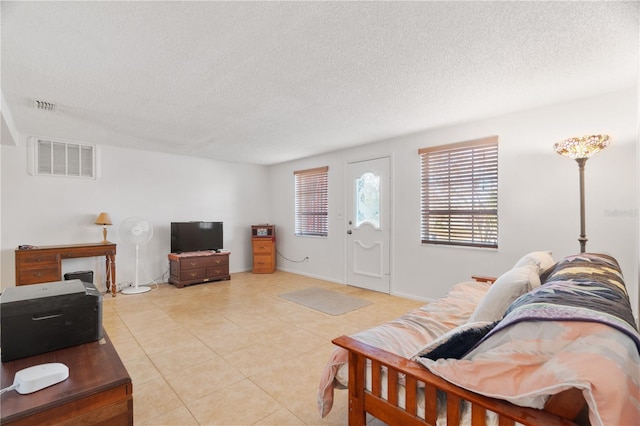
column 8, row 131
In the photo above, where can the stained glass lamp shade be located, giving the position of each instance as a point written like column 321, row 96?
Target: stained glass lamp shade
column 583, row 147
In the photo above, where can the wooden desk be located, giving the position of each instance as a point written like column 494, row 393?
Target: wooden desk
column 98, row 390
column 44, row 263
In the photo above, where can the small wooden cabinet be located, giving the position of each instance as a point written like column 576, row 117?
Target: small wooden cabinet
column 263, row 242
column 198, row 267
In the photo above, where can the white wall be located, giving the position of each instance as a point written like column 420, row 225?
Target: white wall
column 159, row 187
column 538, row 198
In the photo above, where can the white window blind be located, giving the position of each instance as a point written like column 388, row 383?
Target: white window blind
column 311, row 204
column 64, row 159
column 459, row 196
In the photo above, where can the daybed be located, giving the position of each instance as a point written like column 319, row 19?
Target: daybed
column 548, row 343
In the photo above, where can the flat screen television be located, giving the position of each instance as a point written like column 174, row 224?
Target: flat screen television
column 196, row 236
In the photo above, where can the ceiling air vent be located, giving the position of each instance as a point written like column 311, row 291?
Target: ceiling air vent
column 56, row 158
column 47, row 106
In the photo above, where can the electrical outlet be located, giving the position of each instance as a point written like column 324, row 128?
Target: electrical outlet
column 122, row 286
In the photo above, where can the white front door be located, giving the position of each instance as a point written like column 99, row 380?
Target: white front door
column 368, row 225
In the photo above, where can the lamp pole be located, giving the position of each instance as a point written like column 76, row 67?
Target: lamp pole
column 580, row 149
column 583, row 233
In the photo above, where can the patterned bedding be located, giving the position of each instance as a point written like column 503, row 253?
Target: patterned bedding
column 405, row 335
column 575, row 331
column 585, row 287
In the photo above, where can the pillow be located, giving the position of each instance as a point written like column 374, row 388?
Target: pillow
column 507, row 288
column 542, row 259
column 457, row 342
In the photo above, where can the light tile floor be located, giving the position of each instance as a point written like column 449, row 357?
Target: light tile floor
column 233, row 352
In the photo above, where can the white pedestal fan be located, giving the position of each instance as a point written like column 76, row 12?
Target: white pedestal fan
column 138, row 231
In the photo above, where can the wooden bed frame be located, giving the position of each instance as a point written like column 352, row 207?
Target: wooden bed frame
column 566, row 408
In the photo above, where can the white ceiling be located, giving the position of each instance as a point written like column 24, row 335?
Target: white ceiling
column 268, row 82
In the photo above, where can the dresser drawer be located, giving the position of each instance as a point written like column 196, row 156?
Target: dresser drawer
column 195, row 262
column 263, row 263
column 37, row 275
column 29, row 260
column 262, row 247
column 217, row 271
column 219, row 260
column 193, row 274
column 203, row 262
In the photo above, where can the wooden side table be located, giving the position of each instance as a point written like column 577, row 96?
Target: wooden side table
column 98, row 390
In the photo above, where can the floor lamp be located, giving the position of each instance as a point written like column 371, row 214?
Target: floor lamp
column 580, row 149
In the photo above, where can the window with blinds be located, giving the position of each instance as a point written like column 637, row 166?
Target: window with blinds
column 311, row 204
column 56, row 158
column 459, row 196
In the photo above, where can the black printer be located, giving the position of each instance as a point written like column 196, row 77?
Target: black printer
column 39, row 318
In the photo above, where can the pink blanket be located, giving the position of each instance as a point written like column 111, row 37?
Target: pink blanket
column 405, row 335
column 530, row 361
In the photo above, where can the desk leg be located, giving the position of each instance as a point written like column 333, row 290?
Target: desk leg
column 111, row 274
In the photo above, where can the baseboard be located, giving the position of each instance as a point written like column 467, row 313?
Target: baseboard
column 311, row 275
column 412, row 297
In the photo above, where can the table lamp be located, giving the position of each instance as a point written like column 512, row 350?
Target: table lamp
column 580, row 149
column 104, row 219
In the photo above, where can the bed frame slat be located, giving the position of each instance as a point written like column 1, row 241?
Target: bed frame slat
column 392, row 386
column 411, row 387
column 453, row 410
column 430, row 403
column 478, row 415
column 376, row 385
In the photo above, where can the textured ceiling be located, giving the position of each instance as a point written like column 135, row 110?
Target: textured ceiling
column 268, row 82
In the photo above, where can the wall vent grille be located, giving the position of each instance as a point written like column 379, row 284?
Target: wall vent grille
column 56, row 158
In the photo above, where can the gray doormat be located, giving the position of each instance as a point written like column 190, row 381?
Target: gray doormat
column 327, row 301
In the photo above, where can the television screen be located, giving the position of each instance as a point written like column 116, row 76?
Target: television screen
column 196, row 236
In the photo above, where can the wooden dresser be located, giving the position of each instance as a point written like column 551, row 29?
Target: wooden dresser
column 98, row 391
column 198, row 267
column 263, row 242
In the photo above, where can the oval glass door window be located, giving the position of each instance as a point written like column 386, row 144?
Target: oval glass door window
column 368, row 200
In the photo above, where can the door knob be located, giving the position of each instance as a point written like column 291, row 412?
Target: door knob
column 349, row 232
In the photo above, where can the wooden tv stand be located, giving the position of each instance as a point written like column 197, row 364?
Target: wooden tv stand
column 198, row 267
